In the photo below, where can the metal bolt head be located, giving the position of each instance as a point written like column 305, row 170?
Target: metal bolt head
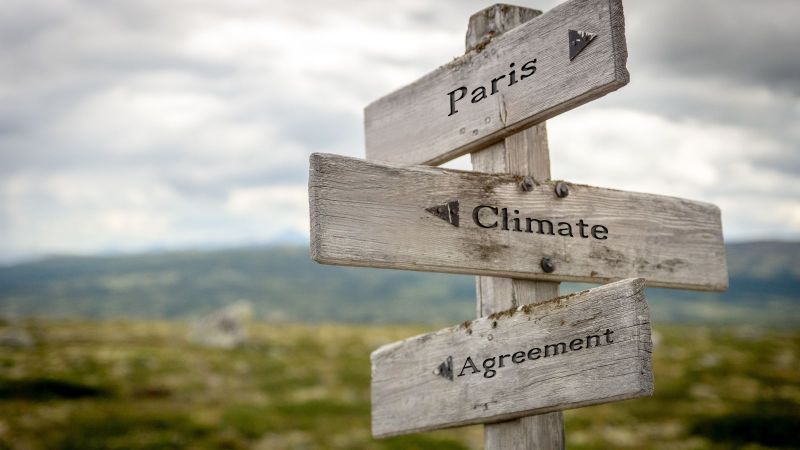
column 562, row 190
column 527, row 183
column 548, row 265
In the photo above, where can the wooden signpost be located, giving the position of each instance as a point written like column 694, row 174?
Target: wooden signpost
column 572, row 54
column 529, row 355
column 424, row 218
column 583, row 349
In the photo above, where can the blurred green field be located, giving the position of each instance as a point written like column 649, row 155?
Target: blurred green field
column 143, row 385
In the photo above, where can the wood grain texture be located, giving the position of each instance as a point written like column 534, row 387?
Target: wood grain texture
column 539, row 432
column 523, row 153
column 373, row 215
column 542, row 431
column 409, row 393
column 413, row 125
column 493, row 21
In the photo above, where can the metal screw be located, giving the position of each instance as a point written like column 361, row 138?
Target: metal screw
column 562, row 190
column 527, row 183
column 548, row 265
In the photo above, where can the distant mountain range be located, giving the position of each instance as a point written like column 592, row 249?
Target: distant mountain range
column 282, row 283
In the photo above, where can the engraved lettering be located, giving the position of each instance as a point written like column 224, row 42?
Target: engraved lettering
column 493, row 364
column 528, row 69
column 501, row 359
column 462, row 91
column 468, row 363
column 479, row 93
column 494, row 83
column 540, row 223
column 476, row 216
column 597, row 230
column 608, row 334
column 512, row 76
column 562, row 346
column 583, row 226
column 565, row 229
column 512, row 220
column 487, row 367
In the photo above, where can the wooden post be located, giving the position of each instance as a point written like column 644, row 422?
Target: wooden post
column 524, row 153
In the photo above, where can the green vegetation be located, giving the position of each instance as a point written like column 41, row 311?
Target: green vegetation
column 129, row 383
column 142, row 385
column 284, row 284
column 280, row 283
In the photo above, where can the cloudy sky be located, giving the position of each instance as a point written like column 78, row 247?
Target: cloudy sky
column 140, row 125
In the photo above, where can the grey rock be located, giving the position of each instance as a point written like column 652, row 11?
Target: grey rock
column 225, row 328
column 15, row 337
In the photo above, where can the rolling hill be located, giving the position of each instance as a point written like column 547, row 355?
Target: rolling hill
column 283, row 284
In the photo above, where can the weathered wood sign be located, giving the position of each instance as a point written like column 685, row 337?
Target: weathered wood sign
column 582, row 349
column 424, row 218
column 534, row 360
column 570, row 55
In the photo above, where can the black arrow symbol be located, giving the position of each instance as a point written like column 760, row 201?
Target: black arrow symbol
column 578, row 40
column 445, row 369
column 447, row 212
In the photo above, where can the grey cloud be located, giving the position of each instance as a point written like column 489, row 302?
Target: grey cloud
column 23, row 21
column 669, row 96
column 220, row 187
column 317, row 129
column 753, row 43
column 787, row 162
column 58, row 56
column 150, row 59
